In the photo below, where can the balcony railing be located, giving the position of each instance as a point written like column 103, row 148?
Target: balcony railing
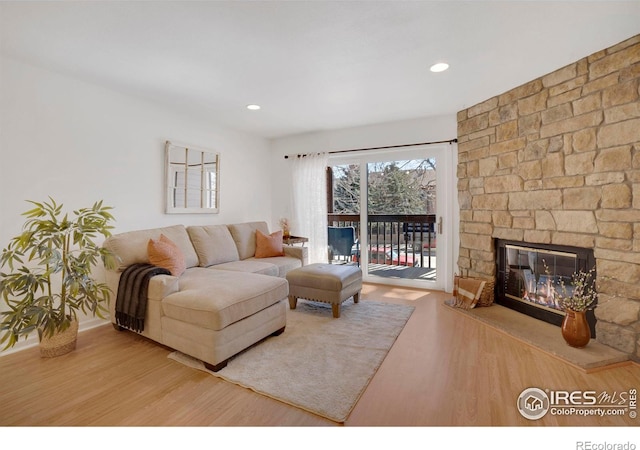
column 398, row 240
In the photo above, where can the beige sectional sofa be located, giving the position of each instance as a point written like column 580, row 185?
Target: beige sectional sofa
column 225, row 301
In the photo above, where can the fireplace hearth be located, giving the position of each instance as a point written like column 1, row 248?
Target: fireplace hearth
column 531, row 277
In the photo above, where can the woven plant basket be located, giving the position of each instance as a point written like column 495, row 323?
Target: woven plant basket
column 60, row 343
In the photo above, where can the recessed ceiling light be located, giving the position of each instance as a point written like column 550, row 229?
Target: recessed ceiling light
column 253, row 107
column 439, row 67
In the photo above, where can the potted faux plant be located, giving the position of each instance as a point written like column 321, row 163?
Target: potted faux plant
column 50, row 275
column 575, row 303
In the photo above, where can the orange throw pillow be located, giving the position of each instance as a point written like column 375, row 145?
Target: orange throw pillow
column 166, row 254
column 268, row 246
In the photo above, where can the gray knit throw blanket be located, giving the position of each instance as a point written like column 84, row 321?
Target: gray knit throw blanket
column 131, row 301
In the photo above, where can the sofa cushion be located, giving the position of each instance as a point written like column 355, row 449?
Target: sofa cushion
column 268, row 246
column 283, row 264
column 214, row 299
column 213, row 244
column 165, row 253
column 244, row 235
column 250, row 266
column 131, row 247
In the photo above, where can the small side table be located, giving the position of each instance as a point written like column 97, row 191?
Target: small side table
column 292, row 240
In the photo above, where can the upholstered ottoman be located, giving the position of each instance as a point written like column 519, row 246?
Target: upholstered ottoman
column 328, row 283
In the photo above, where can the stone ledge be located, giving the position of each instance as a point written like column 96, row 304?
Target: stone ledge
column 546, row 337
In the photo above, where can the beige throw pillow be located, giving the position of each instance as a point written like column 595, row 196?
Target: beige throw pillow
column 214, row 244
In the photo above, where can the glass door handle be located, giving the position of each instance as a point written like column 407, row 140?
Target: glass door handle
column 440, row 225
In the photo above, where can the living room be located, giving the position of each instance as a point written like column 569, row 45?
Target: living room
column 68, row 134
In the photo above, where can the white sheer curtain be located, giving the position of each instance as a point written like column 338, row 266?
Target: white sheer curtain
column 309, row 195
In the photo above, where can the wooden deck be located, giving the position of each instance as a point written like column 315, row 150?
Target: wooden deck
column 411, row 273
column 402, row 272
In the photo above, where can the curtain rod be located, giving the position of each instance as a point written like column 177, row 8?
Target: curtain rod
column 450, row 141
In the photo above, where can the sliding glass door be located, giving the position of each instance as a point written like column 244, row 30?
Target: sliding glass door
column 397, row 203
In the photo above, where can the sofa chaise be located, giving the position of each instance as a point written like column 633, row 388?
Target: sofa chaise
column 226, row 299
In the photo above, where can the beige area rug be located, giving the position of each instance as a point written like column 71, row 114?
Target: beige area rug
column 546, row 337
column 319, row 364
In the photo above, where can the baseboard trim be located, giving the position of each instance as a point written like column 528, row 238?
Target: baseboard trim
column 32, row 340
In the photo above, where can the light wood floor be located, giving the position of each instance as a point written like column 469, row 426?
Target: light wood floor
column 445, row 369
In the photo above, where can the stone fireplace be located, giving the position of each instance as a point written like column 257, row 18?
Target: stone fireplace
column 556, row 161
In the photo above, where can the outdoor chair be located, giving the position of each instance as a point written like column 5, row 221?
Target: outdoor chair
column 341, row 241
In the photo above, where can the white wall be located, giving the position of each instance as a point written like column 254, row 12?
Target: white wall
column 426, row 129
column 80, row 143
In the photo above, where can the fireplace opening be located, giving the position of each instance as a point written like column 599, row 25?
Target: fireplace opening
column 531, row 277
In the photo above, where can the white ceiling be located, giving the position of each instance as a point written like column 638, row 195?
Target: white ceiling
column 312, row 65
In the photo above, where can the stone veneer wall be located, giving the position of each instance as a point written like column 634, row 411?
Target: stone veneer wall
column 557, row 160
